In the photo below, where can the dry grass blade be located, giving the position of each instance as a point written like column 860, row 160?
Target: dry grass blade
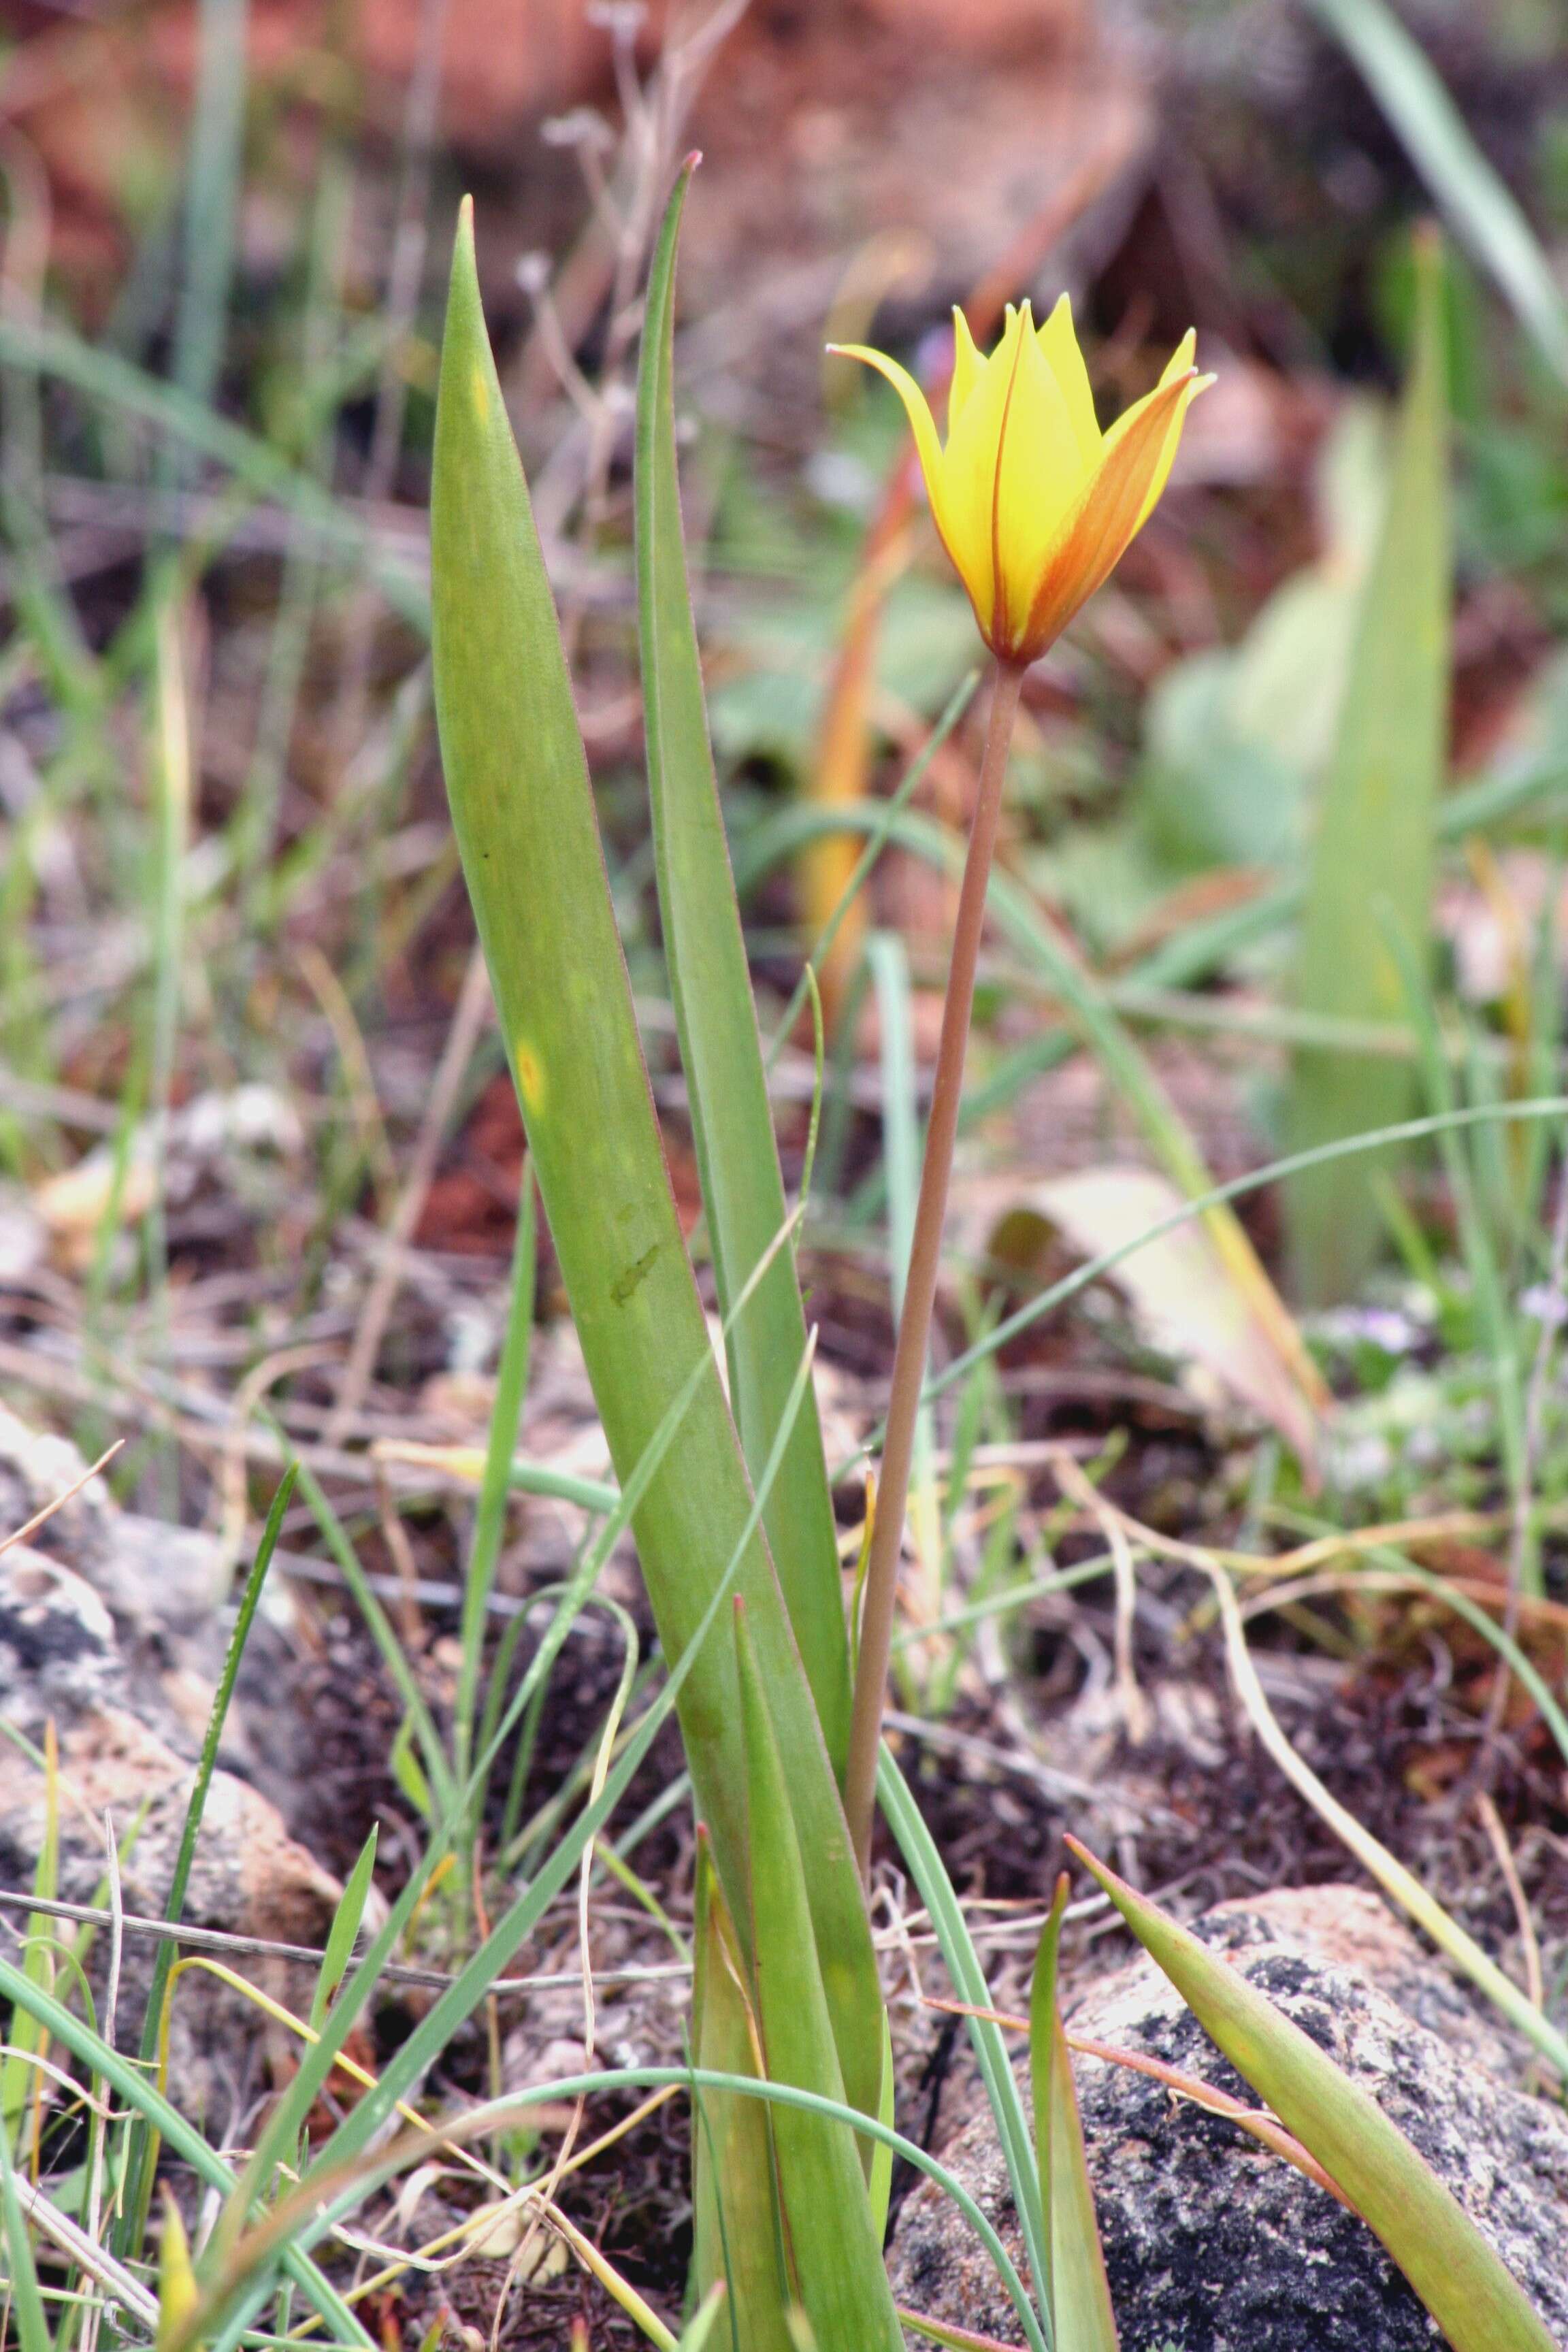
column 85, row 2252
column 41, row 1518
column 1263, row 2127
column 1529, row 1945
column 1400, row 1885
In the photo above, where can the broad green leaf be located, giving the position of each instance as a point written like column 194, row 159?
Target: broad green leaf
column 1372, row 864
column 735, row 2221
column 709, row 981
column 1473, row 2300
column 832, row 2249
column 523, row 809
column 1480, row 207
column 1081, row 2292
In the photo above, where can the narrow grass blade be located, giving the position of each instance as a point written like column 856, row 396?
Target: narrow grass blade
column 833, row 2251
column 142, row 2156
column 523, row 809
column 1473, row 2300
column 26, row 2303
column 127, row 2079
column 1349, row 1146
column 421, row 1724
column 703, row 2329
column 1480, row 208
column 103, row 375
column 490, row 1518
column 880, row 2179
column 1376, row 844
column 902, row 1150
column 929, row 1874
column 879, row 832
column 1081, row 2291
column 316, row 2207
column 1398, row 1883
column 346, row 1926
column 20, row 2083
column 211, row 190
column 1499, row 1320
column 710, row 981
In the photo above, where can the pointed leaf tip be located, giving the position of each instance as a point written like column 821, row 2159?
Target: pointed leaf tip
column 1475, row 2299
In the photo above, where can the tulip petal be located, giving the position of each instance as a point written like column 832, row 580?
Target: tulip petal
column 1058, row 340
column 1042, row 477
column 1180, row 364
column 1168, row 455
column 968, row 473
column 916, row 407
column 968, row 367
column 1112, row 506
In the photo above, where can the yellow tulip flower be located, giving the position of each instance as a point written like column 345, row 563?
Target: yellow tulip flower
column 1034, row 503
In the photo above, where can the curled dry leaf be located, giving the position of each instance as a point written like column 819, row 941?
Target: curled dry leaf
column 1186, row 1303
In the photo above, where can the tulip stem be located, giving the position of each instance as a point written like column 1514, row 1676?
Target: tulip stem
column 920, row 1289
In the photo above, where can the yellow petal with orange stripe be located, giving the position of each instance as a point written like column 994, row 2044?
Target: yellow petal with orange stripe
column 1034, row 504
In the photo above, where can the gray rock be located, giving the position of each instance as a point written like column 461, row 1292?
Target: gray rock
column 126, row 1693
column 1210, row 2244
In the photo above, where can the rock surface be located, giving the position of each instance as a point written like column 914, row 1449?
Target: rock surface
column 126, row 1686
column 1210, row 2244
